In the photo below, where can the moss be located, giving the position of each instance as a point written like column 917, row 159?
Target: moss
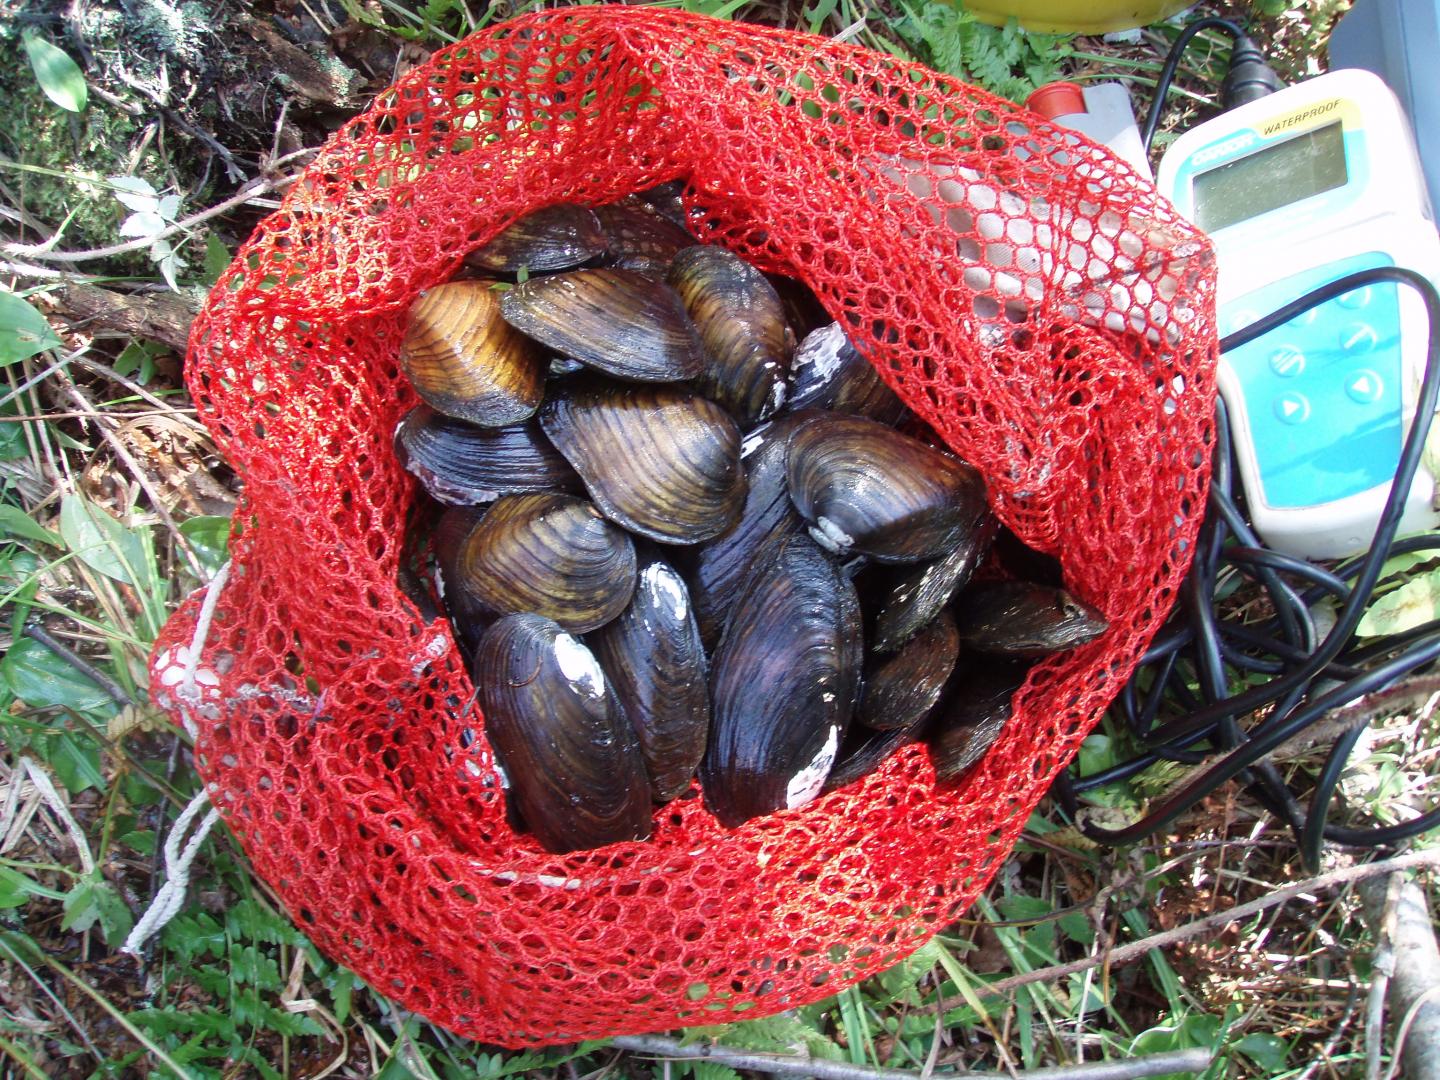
column 61, row 160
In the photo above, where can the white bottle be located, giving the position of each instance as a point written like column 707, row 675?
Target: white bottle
column 1101, row 112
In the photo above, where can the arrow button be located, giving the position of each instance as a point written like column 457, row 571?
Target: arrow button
column 1365, row 387
column 1292, row 408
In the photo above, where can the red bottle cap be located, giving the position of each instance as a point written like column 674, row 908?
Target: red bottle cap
column 1057, row 99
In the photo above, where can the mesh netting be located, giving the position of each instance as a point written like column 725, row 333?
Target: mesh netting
column 1026, row 294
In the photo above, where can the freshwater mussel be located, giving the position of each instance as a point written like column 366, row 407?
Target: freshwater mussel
column 736, row 651
column 568, row 754
column 468, row 362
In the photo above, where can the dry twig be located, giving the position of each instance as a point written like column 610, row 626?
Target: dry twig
column 1136, row 950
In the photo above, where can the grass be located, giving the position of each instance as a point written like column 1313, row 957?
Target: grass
column 114, row 508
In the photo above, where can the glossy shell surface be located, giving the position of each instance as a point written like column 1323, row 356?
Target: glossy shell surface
column 718, row 569
column 461, row 464
column 742, row 326
column 656, row 665
column 783, row 685
column 551, row 554
column 904, row 687
column 572, row 763
column 616, row 321
column 908, row 599
column 866, row 489
column 1018, row 618
column 974, row 716
column 553, row 238
column 660, row 460
column 464, row 360
column 827, row 372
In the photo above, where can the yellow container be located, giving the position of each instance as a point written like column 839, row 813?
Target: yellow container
column 1076, row 16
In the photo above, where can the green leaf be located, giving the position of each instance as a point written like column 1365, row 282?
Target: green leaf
column 1265, row 1050
column 708, row 1070
column 23, row 330
column 109, row 910
column 217, row 258
column 210, row 537
column 16, row 889
column 140, row 840
column 41, row 679
column 137, row 360
column 82, row 910
column 102, row 543
column 58, row 75
column 342, row 991
column 75, row 760
column 1413, row 604
column 16, row 523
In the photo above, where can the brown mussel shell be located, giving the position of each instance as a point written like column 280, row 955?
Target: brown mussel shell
column 1019, row 618
column 911, row 598
column 783, row 685
column 616, row 321
column 972, row 720
column 742, row 326
column 827, row 372
column 659, row 460
column 550, row 554
column 656, row 666
column 465, row 361
column 641, row 238
column 463, row 465
column 867, row 489
column 718, row 568
column 906, row 686
column 569, row 758
column 558, row 237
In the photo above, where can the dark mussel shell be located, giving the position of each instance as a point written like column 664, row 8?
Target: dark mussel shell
column 742, row 326
column 908, row 599
column 467, row 618
column 718, row 568
column 977, row 710
column 804, row 313
column 554, row 238
column 906, row 686
column 616, row 321
column 464, row 465
column 641, row 238
column 1018, row 618
column 571, row 760
column 867, row 489
column 656, row 666
column 865, row 750
column 550, row 554
column 465, row 361
column 783, row 686
column 667, row 200
column 827, row 372
column 659, row 460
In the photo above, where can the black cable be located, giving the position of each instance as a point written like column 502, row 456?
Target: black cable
column 1311, row 674
column 1247, row 78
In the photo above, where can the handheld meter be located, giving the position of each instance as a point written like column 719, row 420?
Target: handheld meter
column 1303, row 187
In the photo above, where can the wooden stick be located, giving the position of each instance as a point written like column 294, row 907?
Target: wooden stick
column 1193, row 1060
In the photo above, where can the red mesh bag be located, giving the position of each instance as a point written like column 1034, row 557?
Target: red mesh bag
column 1025, row 293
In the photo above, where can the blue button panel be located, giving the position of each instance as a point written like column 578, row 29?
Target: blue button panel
column 1323, row 390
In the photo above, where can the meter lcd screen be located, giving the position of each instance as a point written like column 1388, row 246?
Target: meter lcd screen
column 1274, row 177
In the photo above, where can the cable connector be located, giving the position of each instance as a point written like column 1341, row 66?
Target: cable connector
column 1249, row 77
